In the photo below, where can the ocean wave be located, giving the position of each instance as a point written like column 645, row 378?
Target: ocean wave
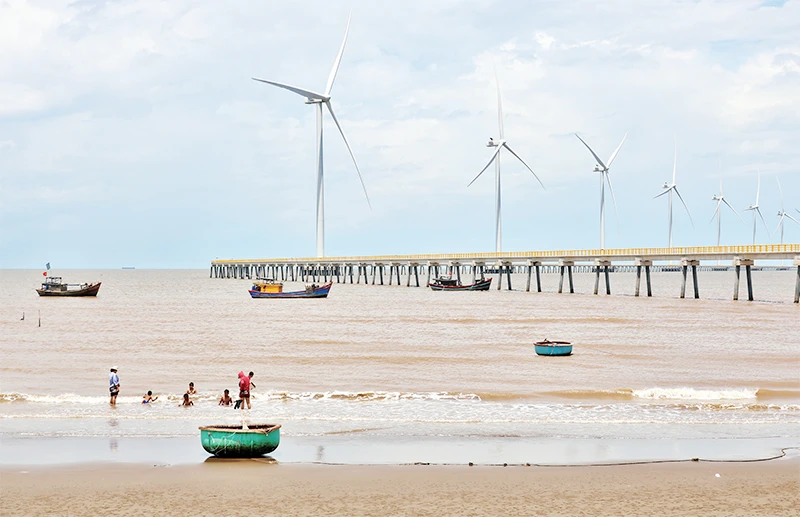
column 678, row 393
column 696, row 394
column 654, row 394
column 72, row 398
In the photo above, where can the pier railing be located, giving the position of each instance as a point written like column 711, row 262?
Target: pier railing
column 755, row 252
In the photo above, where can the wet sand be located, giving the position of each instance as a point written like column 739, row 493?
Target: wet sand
column 769, row 488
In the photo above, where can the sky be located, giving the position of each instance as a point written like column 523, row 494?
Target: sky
column 131, row 133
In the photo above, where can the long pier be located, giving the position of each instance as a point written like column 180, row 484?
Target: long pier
column 601, row 262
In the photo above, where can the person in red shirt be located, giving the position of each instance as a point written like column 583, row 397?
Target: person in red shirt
column 244, row 389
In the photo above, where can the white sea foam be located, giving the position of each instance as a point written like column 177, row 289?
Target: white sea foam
column 696, row 394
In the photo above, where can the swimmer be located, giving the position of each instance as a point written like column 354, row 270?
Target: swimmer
column 186, row 401
column 149, row 398
column 226, row 399
column 191, row 390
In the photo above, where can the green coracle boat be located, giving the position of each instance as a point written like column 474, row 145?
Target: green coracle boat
column 231, row 441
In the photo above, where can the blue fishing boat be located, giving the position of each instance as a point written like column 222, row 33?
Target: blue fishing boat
column 272, row 289
column 553, row 348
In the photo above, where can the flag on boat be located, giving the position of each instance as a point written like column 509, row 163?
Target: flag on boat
column 47, row 266
column 44, row 273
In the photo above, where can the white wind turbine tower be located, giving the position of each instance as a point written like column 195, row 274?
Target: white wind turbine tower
column 720, row 199
column 754, row 208
column 499, row 145
column 669, row 188
column 783, row 214
column 603, row 169
column 320, row 99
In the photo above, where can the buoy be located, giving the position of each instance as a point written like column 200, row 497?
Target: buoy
column 716, row 475
column 470, row 463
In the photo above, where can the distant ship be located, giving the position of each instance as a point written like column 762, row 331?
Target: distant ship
column 128, row 267
column 53, row 286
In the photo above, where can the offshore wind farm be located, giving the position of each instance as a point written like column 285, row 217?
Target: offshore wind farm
column 689, row 257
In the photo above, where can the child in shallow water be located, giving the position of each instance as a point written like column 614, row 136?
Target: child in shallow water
column 186, row 401
column 149, row 398
column 226, row 399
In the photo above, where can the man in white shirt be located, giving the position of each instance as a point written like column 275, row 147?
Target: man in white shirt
column 113, row 385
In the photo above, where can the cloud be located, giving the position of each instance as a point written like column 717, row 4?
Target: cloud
column 148, row 108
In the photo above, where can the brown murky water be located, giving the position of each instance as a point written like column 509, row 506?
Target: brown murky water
column 397, row 360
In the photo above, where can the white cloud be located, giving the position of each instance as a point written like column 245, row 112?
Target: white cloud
column 150, row 105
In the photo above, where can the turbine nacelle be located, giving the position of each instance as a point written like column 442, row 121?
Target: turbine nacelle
column 667, row 185
column 316, row 101
column 492, row 143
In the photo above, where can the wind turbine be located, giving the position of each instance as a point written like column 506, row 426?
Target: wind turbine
column 720, row 199
column 499, row 145
column 754, row 208
column 603, row 169
column 783, row 214
column 669, row 188
column 320, row 99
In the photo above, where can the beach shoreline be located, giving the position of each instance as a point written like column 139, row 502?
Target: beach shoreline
column 359, row 449
column 235, row 486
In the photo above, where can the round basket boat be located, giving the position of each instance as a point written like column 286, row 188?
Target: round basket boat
column 231, row 441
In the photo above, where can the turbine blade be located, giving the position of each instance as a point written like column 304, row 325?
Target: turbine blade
column 664, row 192
column 336, row 63
column 299, row 91
column 494, row 155
column 336, row 121
column 758, row 189
column 780, row 223
column 715, row 212
column 781, row 191
column 608, row 179
column 523, row 163
column 675, row 162
column 499, row 105
column 762, row 220
column 684, row 206
column 617, row 151
column 792, row 218
column 734, row 210
column 599, row 161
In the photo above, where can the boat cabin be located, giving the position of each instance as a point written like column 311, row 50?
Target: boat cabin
column 267, row 285
column 446, row 281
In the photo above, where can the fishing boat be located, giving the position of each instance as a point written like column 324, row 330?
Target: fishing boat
column 237, row 441
column 267, row 288
column 547, row 347
column 448, row 283
column 53, row 286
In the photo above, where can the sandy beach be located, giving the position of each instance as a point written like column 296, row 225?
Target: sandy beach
column 256, row 487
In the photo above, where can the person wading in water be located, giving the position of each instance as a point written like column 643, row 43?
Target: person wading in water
column 113, row 385
column 244, row 389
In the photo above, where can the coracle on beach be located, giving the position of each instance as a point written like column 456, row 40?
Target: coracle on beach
column 237, row 441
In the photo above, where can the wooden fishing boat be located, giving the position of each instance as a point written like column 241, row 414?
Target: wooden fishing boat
column 53, row 286
column 271, row 289
column 448, row 283
column 232, row 441
column 553, row 348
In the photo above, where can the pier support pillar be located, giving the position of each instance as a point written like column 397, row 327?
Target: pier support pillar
column 391, row 272
column 528, row 283
column 601, row 264
column 685, row 264
column 416, row 274
column 534, row 264
column 797, row 282
column 639, row 262
column 738, row 263
column 565, row 266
